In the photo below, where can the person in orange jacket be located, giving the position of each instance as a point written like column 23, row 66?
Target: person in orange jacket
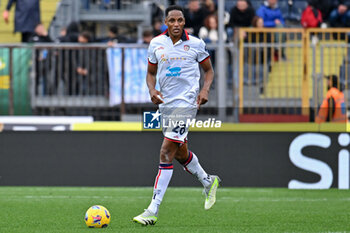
column 333, row 107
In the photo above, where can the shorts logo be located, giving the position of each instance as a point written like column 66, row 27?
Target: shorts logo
column 152, row 120
column 186, row 47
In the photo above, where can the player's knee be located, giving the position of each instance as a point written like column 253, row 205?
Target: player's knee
column 166, row 155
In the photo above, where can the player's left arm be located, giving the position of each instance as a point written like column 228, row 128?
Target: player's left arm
column 208, row 79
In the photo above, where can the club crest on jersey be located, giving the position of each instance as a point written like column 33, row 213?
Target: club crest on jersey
column 186, row 47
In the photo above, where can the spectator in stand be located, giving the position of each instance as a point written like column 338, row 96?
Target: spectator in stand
column 209, row 7
column 84, row 38
column 325, row 6
column 194, row 17
column 42, row 64
column 333, row 107
column 27, row 16
column 209, row 32
column 114, row 37
column 241, row 15
column 157, row 25
column 65, row 61
column 340, row 16
column 260, row 37
column 257, row 65
column 271, row 14
column 40, row 35
column 147, row 36
column 311, row 16
column 70, row 34
column 79, row 84
column 257, row 22
column 156, row 11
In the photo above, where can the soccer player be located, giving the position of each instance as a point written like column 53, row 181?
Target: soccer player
column 173, row 57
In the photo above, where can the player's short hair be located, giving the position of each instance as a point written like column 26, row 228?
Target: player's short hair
column 174, row 8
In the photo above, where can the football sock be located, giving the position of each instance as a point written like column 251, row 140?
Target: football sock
column 193, row 167
column 161, row 184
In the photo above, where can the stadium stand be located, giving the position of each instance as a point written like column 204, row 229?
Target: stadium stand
column 48, row 10
column 269, row 80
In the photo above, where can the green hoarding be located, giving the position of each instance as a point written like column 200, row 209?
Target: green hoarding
column 21, row 59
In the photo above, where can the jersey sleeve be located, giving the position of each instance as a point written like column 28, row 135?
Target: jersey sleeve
column 202, row 54
column 152, row 59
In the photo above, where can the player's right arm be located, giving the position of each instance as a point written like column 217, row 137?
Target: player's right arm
column 151, row 84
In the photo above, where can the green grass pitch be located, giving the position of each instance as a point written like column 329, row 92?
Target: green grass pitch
column 62, row 209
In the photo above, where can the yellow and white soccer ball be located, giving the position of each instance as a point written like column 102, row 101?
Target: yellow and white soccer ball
column 97, row 216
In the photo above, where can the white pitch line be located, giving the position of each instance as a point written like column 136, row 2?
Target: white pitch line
column 73, row 197
column 280, row 199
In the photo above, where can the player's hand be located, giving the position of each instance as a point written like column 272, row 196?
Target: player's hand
column 5, row 15
column 156, row 96
column 202, row 97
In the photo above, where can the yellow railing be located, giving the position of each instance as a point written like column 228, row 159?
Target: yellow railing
column 277, row 67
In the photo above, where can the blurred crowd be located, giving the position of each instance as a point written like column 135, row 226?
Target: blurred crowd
column 201, row 20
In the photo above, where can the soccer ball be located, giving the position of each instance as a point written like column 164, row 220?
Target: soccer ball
column 97, row 216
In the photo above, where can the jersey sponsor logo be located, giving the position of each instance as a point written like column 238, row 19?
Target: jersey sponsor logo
column 163, row 59
column 186, row 47
column 173, row 72
column 178, row 58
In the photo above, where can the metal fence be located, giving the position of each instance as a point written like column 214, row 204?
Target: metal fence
column 270, row 71
column 282, row 70
column 75, row 79
column 109, row 4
